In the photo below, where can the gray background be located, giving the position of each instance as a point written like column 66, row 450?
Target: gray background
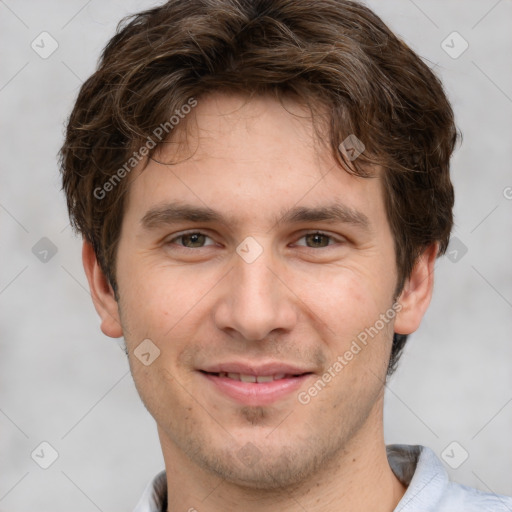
column 63, row 382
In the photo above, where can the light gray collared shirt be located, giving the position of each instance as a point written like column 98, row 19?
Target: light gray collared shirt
column 428, row 486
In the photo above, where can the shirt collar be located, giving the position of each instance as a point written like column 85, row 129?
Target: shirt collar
column 419, row 468
column 154, row 497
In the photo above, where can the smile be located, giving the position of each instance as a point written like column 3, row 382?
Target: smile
column 254, row 378
column 255, row 390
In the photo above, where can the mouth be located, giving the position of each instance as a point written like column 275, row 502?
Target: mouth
column 252, row 378
column 261, row 388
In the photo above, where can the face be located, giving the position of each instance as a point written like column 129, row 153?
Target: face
column 254, row 265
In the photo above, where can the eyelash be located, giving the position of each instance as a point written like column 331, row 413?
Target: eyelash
column 189, row 233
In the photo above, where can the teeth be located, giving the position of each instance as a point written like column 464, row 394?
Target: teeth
column 265, row 378
column 253, row 378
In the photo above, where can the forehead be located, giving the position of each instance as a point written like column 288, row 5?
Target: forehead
column 235, row 126
column 250, row 156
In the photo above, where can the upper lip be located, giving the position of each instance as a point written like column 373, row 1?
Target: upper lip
column 270, row 368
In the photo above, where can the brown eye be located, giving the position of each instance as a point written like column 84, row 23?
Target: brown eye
column 191, row 240
column 316, row 240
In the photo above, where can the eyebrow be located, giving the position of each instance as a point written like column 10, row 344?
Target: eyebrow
column 172, row 213
column 332, row 213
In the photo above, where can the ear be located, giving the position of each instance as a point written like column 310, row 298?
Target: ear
column 102, row 293
column 417, row 292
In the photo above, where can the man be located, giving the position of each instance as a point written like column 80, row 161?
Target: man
column 263, row 188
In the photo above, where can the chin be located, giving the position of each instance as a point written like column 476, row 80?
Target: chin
column 264, row 468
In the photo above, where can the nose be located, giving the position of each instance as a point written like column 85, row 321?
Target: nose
column 256, row 299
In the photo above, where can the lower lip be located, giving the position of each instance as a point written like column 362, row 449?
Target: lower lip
column 253, row 393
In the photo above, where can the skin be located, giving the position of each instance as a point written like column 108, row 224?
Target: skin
column 302, row 301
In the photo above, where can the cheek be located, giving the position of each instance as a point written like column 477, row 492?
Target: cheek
column 348, row 305
column 347, row 299
column 156, row 297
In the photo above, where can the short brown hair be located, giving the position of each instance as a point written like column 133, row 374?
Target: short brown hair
column 337, row 53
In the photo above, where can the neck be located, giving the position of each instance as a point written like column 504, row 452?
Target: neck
column 356, row 478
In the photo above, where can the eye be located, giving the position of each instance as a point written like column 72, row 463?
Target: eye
column 317, row 240
column 192, row 240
